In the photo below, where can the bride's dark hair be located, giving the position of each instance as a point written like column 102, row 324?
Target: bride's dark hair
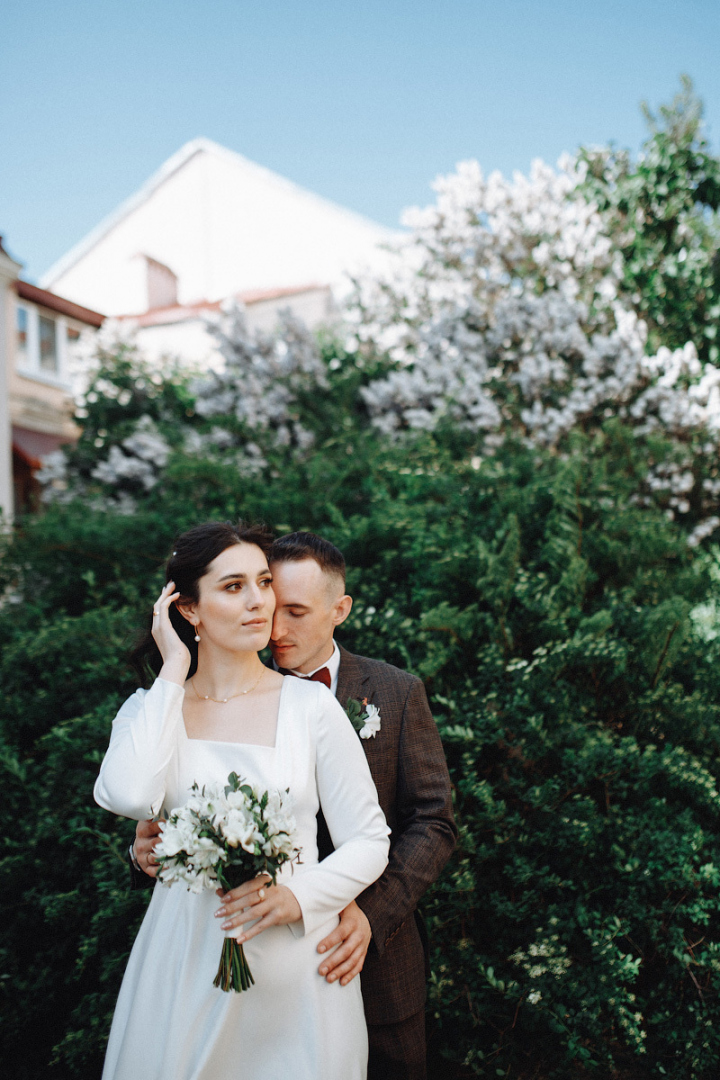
column 192, row 553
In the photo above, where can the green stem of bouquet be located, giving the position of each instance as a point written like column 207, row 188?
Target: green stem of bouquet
column 233, row 973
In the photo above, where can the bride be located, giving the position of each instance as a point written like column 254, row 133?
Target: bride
column 215, row 709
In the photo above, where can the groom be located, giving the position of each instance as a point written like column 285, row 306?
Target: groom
column 381, row 933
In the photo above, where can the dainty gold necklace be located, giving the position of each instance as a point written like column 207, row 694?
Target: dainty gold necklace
column 222, row 700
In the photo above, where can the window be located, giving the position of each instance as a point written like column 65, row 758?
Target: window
column 44, row 342
column 48, row 344
column 22, row 336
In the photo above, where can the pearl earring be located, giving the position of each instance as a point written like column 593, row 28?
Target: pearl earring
column 197, row 636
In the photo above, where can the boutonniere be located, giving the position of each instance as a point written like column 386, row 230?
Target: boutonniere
column 363, row 717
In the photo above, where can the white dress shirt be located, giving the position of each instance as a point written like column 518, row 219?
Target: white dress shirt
column 333, row 666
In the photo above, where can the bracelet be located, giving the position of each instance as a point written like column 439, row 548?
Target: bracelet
column 133, row 859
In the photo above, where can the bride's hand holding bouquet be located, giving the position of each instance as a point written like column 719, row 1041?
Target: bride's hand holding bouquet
column 239, row 838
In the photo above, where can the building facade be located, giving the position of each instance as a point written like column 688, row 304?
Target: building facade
column 181, row 331
column 39, row 334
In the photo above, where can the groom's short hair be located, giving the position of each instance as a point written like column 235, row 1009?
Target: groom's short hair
column 306, row 545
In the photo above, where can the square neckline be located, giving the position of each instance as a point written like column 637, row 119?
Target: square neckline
column 234, row 742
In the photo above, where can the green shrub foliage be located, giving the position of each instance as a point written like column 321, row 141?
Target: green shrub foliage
column 663, row 214
column 575, row 931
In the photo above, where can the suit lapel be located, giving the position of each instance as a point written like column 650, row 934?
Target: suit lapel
column 351, row 678
column 353, row 682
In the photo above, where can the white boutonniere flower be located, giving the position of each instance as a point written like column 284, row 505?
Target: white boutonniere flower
column 363, row 717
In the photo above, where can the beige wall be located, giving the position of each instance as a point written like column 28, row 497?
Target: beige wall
column 38, row 401
column 9, row 271
column 188, row 340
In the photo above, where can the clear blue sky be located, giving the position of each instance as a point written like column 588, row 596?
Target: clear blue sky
column 363, row 102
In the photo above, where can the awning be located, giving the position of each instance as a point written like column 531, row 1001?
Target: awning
column 31, row 446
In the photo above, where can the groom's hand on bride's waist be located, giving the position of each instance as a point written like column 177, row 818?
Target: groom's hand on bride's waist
column 147, row 834
column 352, row 936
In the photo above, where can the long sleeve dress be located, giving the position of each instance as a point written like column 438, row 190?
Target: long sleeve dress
column 170, row 1022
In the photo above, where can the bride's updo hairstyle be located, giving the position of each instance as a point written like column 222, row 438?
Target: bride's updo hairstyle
column 192, row 553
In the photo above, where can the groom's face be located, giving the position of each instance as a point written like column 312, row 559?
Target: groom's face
column 309, row 605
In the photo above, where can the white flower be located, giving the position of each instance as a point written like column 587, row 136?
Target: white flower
column 176, row 837
column 280, row 820
column 239, row 829
column 372, row 722
column 202, row 881
column 205, row 853
column 141, row 456
column 53, row 473
column 260, row 380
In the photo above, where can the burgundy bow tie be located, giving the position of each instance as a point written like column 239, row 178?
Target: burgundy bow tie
column 321, row 675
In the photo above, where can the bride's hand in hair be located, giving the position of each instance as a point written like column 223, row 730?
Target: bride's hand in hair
column 174, row 652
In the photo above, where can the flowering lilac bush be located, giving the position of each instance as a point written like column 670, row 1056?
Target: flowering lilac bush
column 128, row 414
column 515, row 312
column 258, row 385
column 525, row 309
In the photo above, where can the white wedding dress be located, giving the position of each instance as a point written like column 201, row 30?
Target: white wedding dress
column 170, row 1022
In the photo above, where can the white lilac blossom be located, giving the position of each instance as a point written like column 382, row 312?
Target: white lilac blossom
column 221, row 445
column 508, row 292
column 504, row 315
column 140, row 457
column 485, row 240
column 262, row 375
column 53, row 476
column 703, row 530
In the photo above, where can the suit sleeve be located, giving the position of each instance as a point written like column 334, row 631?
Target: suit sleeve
column 424, row 834
column 138, row 878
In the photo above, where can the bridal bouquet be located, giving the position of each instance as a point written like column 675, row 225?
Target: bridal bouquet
column 225, row 836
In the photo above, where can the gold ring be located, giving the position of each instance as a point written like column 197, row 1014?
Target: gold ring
column 155, row 612
column 261, row 894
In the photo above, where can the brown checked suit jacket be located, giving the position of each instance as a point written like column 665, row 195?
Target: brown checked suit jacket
column 408, row 766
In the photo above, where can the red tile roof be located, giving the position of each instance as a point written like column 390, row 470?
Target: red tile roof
column 176, row 313
column 26, row 291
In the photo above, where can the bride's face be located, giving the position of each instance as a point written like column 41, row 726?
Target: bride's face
column 236, row 602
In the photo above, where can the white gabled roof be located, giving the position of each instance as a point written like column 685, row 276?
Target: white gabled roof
column 172, row 166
